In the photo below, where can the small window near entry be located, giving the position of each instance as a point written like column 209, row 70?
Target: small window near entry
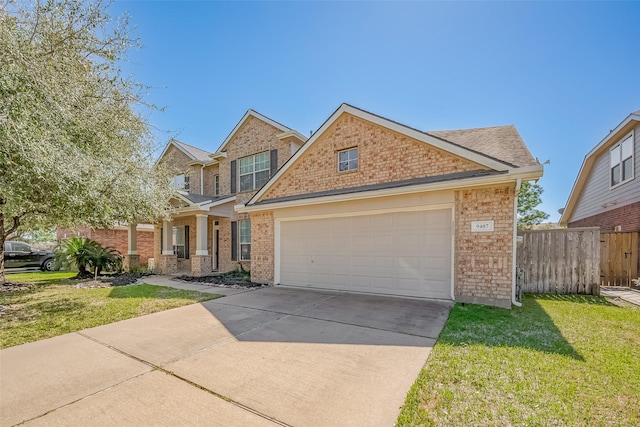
column 245, row 240
column 621, row 161
column 348, row 160
column 216, row 185
column 181, row 182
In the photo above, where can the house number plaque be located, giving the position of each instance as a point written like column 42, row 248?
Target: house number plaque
column 480, row 226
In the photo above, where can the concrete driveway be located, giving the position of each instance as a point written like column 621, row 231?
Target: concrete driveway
column 274, row 356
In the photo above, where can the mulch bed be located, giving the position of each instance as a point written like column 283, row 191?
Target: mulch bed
column 222, row 281
column 107, row 281
column 11, row 286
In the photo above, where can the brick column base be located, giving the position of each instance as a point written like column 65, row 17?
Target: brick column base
column 167, row 264
column 200, row 265
column 130, row 261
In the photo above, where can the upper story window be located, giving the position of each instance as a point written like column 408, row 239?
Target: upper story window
column 621, row 157
column 181, row 182
column 348, row 160
column 216, row 185
column 254, row 171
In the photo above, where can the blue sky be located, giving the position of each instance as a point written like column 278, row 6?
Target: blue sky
column 564, row 73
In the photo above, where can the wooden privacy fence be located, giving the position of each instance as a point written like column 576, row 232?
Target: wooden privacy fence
column 619, row 258
column 563, row 261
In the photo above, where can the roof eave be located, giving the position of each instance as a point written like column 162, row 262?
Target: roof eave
column 526, row 174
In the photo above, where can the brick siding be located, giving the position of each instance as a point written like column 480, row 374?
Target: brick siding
column 383, row 156
column 483, row 261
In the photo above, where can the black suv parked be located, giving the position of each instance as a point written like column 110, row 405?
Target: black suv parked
column 19, row 255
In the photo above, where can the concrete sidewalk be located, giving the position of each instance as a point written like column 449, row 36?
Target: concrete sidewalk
column 273, row 356
column 627, row 294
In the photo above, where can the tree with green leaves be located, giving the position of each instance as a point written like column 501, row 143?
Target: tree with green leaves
column 528, row 199
column 75, row 148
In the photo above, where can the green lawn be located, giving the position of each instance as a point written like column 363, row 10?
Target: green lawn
column 55, row 307
column 570, row 361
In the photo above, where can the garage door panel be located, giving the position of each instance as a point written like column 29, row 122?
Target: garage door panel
column 402, row 253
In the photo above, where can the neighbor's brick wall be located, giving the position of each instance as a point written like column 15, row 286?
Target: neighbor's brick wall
column 383, row 156
column 262, row 234
column 628, row 217
column 117, row 239
column 483, row 261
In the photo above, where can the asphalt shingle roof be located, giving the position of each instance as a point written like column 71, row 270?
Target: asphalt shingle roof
column 500, row 142
column 197, row 153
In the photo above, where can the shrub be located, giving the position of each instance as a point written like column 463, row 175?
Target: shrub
column 83, row 254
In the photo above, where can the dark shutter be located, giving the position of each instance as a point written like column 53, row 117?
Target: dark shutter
column 274, row 162
column 233, row 176
column 234, row 240
column 161, row 240
column 186, row 242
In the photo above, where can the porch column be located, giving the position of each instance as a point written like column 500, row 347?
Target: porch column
column 132, row 259
column 201, row 262
column 168, row 262
column 201, row 235
column 167, row 238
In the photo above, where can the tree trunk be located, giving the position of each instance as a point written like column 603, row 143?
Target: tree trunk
column 3, row 236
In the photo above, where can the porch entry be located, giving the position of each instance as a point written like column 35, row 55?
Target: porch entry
column 619, row 258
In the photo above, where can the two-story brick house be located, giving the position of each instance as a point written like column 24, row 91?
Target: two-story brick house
column 205, row 233
column 364, row 205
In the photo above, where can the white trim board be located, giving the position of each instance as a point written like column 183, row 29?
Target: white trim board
column 251, row 113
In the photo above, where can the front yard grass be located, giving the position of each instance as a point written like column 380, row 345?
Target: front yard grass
column 557, row 360
column 54, row 307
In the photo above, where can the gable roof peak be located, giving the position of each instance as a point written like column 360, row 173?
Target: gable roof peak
column 194, row 153
column 251, row 113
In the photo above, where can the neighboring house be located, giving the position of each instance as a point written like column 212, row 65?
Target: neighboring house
column 370, row 205
column 606, row 193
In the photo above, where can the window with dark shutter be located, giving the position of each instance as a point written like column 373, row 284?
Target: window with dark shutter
column 186, row 242
column 234, row 241
column 274, row 162
column 233, row 176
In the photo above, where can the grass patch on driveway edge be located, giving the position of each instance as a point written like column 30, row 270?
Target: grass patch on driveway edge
column 54, row 308
column 557, row 360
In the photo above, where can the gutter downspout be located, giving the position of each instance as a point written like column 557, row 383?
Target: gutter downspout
column 202, row 180
column 515, row 244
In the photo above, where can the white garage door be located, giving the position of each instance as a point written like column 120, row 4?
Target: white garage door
column 401, row 253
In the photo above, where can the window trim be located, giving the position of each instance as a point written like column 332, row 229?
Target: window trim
column 347, row 150
column 185, row 182
column 216, row 184
column 240, row 240
column 253, row 171
column 630, row 136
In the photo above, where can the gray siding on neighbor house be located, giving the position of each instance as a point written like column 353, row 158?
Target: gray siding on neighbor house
column 596, row 192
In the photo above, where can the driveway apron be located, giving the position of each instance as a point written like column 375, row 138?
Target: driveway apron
column 273, row 356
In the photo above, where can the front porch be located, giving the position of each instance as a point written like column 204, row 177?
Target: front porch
column 190, row 242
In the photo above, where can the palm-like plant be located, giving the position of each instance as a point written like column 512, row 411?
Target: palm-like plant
column 73, row 254
column 101, row 258
column 81, row 252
